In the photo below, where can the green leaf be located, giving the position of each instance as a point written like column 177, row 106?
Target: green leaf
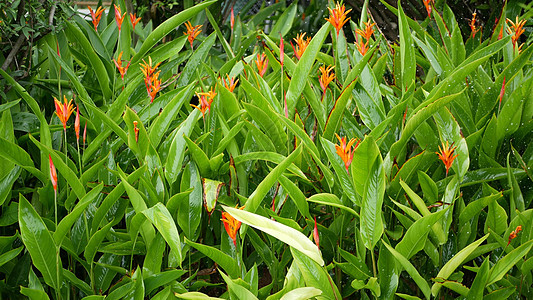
column 454, row 263
column 262, row 189
column 39, row 243
column 304, row 67
column 15, row 154
column 416, row 236
column 315, row 276
column 176, row 152
column 478, row 286
column 302, row 293
column 162, row 220
column 94, row 242
column 332, row 200
column 199, row 55
column 222, row 259
column 240, row 291
column 340, row 169
column 508, row 261
column 168, row 26
column 9, row 255
column 371, row 207
column 335, row 116
column 286, row 234
column 284, row 23
column 158, row 280
column 363, row 158
column 419, row 280
column 407, row 53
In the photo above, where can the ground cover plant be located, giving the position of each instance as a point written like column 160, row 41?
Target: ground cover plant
column 240, row 160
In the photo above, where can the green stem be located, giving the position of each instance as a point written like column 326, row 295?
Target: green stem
column 55, row 205
column 373, row 263
column 79, row 156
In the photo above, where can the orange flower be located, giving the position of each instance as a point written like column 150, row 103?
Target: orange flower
column 118, row 64
column 473, row 27
column 326, row 77
column 427, row 4
column 232, row 19
column 366, row 34
column 446, row 155
column 192, row 31
column 301, row 44
column 346, row 151
column 151, row 79
column 136, row 130
column 85, row 133
column 231, row 84
column 53, row 174
column 516, row 29
column 315, row 235
column 262, row 64
column 514, row 233
column 134, row 20
column 77, row 123
column 96, row 16
column 119, row 17
column 205, row 100
column 64, row 110
column 281, row 50
column 337, row 16
column 231, row 225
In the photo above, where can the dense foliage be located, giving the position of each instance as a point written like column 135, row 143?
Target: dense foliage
column 243, row 161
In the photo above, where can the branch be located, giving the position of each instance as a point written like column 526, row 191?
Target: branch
column 13, row 52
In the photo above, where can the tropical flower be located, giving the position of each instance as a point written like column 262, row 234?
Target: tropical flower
column 315, row 235
column 119, row 17
column 231, row 225
column 85, row 133
column 281, row 50
column 232, row 19
column 325, row 77
column 337, row 16
column 134, row 20
column 345, row 151
column 53, row 173
column 502, row 92
column 427, row 4
column 514, row 233
column 96, row 16
column 473, row 27
column 151, row 78
column 301, row 44
column 77, row 123
column 64, row 110
column 205, row 100
column 366, row 34
column 231, row 84
column 136, row 130
column 516, row 29
column 118, row 64
column 192, row 31
column 262, row 64
column 446, row 155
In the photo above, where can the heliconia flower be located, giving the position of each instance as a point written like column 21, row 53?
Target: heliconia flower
column 77, row 123
column 281, row 50
column 136, row 130
column 232, row 19
column 473, row 27
column 53, row 173
column 315, row 235
column 446, row 155
column 502, row 91
column 514, row 233
column 85, row 133
column 362, row 46
column 96, row 16
column 119, row 17
column 134, row 20
column 427, row 4
column 151, row 78
column 369, row 30
column 301, row 45
column 262, row 64
column 192, row 31
column 231, row 84
column 205, row 100
column 345, row 151
column 231, row 225
column 337, row 16
column 516, row 29
column 64, row 110
column 326, row 77
column 118, row 64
